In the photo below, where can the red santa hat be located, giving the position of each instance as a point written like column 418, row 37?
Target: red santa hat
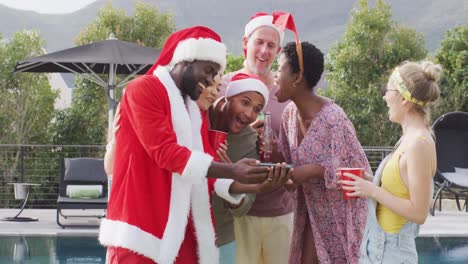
column 190, row 44
column 259, row 20
column 241, row 83
column 279, row 21
column 284, row 21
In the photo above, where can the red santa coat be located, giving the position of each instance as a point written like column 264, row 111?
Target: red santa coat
column 160, row 174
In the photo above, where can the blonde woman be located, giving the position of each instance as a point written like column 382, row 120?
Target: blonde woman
column 400, row 196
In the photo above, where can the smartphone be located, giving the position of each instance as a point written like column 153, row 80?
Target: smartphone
column 269, row 165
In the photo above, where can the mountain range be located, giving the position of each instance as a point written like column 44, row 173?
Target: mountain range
column 320, row 22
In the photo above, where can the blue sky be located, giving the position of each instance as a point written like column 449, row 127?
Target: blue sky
column 47, row 6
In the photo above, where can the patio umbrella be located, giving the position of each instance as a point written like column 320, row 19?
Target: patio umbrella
column 108, row 57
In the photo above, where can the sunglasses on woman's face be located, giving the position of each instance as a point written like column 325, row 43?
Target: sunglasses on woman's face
column 384, row 89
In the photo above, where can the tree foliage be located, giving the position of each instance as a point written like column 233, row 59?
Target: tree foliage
column 86, row 121
column 358, row 65
column 234, row 63
column 27, row 100
column 453, row 56
column 26, row 103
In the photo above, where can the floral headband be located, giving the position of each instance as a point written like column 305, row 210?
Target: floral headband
column 403, row 90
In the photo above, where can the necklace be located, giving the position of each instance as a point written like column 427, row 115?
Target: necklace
column 302, row 126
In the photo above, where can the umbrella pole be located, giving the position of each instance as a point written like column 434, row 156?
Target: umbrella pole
column 112, row 104
column 110, row 92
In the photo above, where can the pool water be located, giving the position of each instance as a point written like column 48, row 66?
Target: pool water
column 51, row 249
column 71, row 250
column 443, row 250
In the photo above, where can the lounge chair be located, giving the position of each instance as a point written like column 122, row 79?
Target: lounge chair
column 451, row 132
column 83, row 185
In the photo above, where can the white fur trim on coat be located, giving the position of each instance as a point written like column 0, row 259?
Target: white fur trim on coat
column 197, row 167
column 130, row 237
column 222, row 190
column 204, row 49
column 184, row 194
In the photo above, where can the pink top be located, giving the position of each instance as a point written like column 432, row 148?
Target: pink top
column 337, row 224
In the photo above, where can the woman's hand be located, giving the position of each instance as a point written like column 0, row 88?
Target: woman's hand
column 304, row 173
column 359, row 186
column 367, row 176
column 338, row 183
column 115, row 125
column 277, row 177
column 222, row 153
column 257, row 125
column 110, row 147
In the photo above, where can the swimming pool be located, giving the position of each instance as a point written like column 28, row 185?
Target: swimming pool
column 51, row 249
column 453, row 250
column 65, row 249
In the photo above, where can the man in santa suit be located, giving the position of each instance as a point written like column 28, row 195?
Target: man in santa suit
column 159, row 210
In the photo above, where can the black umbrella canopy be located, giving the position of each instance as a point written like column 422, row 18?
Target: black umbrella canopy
column 108, row 57
column 128, row 58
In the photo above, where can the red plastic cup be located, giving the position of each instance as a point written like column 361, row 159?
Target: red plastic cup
column 356, row 171
column 217, row 137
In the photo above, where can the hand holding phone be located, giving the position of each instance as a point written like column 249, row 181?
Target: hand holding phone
column 276, row 179
column 269, row 165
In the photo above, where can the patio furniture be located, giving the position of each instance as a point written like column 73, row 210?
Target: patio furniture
column 451, row 132
column 83, row 186
column 22, row 190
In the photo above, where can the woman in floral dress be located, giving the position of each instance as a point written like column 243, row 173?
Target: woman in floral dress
column 317, row 138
